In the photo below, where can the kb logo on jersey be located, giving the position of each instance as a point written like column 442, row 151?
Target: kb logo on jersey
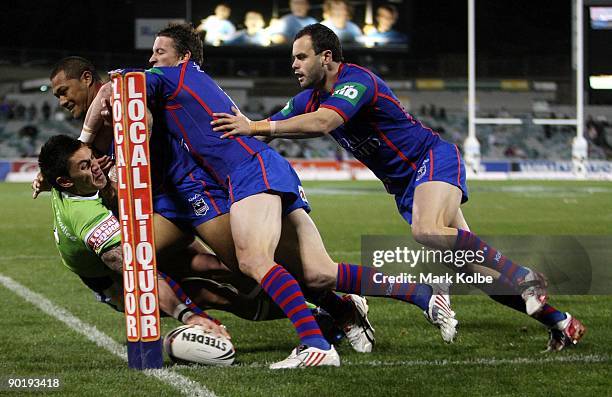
column 351, row 92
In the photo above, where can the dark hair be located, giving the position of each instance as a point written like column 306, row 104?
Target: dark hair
column 391, row 8
column 323, row 38
column 185, row 39
column 74, row 67
column 54, row 155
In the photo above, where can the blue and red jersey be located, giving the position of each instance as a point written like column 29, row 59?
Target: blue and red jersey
column 377, row 130
column 183, row 99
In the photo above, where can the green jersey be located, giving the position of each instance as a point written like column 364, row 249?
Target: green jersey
column 84, row 229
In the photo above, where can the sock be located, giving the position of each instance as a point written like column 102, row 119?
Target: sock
column 355, row 279
column 338, row 307
column 286, row 293
column 493, row 258
column 549, row 316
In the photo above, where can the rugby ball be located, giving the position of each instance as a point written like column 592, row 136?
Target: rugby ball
column 194, row 344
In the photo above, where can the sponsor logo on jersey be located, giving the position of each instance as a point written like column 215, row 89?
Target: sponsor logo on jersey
column 350, row 92
column 155, row 71
column 63, row 228
column 103, row 232
column 288, row 108
column 200, row 208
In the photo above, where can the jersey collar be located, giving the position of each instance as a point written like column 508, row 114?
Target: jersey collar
column 77, row 197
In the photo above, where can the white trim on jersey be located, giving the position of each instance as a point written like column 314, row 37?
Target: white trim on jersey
column 77, row 197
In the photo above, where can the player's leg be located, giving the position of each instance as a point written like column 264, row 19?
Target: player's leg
column 350, row 312
column 320, row 272
column 256, row 227
column 564, row 330
column 435, row 205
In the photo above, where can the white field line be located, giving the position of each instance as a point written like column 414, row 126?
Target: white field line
column 27, row 257
column 183, row 384
column 574, row 358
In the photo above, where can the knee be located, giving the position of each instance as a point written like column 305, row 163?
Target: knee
column 254, row 265
column 321, row 277
column 426, row 234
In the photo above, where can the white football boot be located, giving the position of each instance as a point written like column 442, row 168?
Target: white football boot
column 440, row 313
column 304, row 356
column 565, row 333
column 358, row 329
column 533, row 291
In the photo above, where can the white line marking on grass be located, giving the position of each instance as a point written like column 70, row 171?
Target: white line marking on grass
column 27, row 257
column 183, row 384
column 574, row 358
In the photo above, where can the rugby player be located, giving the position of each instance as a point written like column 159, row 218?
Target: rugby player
column 425, row 173
column 262, row 189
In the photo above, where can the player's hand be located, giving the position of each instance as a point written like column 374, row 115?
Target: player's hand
column 39, row 184
column 105, row 163
column 208, row 325
column 236, row 124
column 107, row 110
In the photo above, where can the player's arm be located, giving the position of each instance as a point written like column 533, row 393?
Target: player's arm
column 169, row 303
column 97, row 113
column 312, row 124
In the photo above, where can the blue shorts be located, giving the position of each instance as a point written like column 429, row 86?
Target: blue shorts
column 268, row 171
column 441, row 163
column 195, row 200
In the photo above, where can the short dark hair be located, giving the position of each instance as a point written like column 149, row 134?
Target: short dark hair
column 323, row 38
column 54, row 155
column 185, row 39
column 391, row 8
column 74, row 67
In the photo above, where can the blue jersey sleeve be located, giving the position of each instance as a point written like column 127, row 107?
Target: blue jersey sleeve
column 352, row 91
column 295, row 106
column 154, row 82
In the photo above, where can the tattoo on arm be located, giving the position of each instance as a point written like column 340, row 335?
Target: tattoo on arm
column 113, row 258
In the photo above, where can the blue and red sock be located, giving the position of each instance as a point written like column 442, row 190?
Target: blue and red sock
column 286, row 293
column 549, row 316
column 356, row 279
column 340, row 308
column 493, row 258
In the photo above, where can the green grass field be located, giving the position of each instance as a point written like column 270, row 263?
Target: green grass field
column 497, row 351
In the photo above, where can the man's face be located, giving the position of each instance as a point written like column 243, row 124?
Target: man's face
column 307, row 66
column 164, row 53
column 84, row 172
column 222, row 12
column 75, row 95
column 385, row 19
column 299, row 8
column 253, row 21
column 339, row 14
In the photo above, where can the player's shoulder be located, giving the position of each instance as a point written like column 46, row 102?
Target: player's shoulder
column 84, row 209
column 357, row 72
column 299, row 101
